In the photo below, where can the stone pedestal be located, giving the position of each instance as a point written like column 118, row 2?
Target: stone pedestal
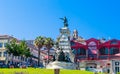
column 61, row 65
column 56, row 65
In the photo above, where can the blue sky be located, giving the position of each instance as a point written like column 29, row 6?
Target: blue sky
column 27, row 19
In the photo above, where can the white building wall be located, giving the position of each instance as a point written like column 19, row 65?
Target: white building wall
column 115, row 66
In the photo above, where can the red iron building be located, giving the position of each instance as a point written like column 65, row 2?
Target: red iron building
column 95, row 53
column 94, row 49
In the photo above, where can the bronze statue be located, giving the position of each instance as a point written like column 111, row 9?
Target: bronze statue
column 60, row 56
column 65, row 21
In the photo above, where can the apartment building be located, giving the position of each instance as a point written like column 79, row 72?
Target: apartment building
column 3, row 54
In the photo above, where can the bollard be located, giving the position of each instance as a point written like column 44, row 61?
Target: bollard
column 56, row 71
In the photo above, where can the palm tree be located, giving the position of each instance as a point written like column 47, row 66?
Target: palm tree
column 49, row 44
column 39, row 42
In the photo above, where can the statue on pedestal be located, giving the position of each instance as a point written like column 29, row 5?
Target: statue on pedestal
column 65, row 21
column 63, row 58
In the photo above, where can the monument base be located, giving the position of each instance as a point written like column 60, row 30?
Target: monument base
column 61, row 65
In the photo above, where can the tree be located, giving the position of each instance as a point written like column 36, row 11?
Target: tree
column 18, row 49
column 39, row 42
column 12, row 48
column 49, row 44
column 24, row 51
column 27, row 53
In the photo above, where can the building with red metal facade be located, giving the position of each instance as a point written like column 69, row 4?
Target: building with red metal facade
column 94, row 49
column 95, row 53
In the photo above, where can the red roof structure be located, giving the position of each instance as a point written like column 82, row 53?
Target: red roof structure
column 95, row 49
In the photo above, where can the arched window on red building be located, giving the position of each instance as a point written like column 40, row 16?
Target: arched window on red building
column 103, row 51
column 114, row 50
column 81, row 51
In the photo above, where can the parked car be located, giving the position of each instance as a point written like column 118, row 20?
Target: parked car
column 2, row 65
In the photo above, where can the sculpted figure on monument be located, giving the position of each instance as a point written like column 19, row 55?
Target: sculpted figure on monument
column 65, row 21
column 61, row 56
column 67, row 59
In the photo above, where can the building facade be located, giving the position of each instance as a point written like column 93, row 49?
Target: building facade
column 95, row 53
column 3, row 54
column 5, row 59
column 115, row 67
column 34, row 52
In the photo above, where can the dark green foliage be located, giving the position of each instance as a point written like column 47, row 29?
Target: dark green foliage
column 24, row 50
column 18, row 49
column 13, row 47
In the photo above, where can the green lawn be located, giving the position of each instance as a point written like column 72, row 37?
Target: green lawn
column 41, row 71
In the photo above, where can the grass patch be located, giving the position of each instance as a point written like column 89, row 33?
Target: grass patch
column 40, row 71
column 75, row 72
